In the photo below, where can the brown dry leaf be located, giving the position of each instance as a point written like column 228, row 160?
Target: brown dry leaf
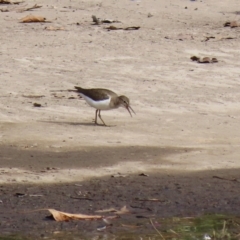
column 194, row 58
column 114, row 28
column 232, row 24
column 52, row 28
column 32, row 18
column 123, row 210
column 110, row 21
column 207, row 60
column 37, row 105
column 208, row 38
column 98, row 21
column 62, row 216
column 214, row 60
column 204, row 59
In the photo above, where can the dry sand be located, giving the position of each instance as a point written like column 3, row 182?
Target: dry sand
column 187, row 113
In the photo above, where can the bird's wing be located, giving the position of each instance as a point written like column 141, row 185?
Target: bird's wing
column 96, row 94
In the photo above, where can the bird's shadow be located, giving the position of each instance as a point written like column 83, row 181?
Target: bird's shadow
column 78, row 123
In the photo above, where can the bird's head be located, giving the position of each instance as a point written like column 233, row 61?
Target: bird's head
column 125, row 102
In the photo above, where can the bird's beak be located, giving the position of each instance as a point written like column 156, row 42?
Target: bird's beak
column 129, row 108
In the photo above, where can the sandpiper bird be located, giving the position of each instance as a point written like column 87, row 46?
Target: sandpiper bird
column 103, row 99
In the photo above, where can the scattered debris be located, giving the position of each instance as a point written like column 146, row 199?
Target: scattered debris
column 37, row 105
column 143, row 175
column 29, row 8
column 19, row 194
column 101, row 228
column 227, row 179
column 227, row 38
column 52, row 28
column 107, row 219
column 82, row 198
column 119, row 28
column 58, row 96
column 32, row 18
column 98, row 21
column 204, row 59
column 118, row 175
column 19, row 9
column 217, row 38
column 183, row 36
column 150, row 199
column 63, row 216
column 9, row 2
column 232, row 24
column 142, row 216
column 149, row 15
column 208, row 38
column 123, row 210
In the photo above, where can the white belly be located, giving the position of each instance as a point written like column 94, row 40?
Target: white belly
column 101, row 105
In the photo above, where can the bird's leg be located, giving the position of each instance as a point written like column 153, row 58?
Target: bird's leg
column 96, row 117
column 99, row 115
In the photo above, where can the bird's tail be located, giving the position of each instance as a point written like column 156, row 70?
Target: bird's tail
column 79, row 89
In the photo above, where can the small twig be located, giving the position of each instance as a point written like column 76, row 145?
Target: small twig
column 224, row 227
column 29, row 8
column 156, row 229
column 227, row 179
column 82, row 198
column 150, row 200
column 174, row 232
column 96, row 20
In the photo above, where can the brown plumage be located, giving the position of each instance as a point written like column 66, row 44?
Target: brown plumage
column 103, row 99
